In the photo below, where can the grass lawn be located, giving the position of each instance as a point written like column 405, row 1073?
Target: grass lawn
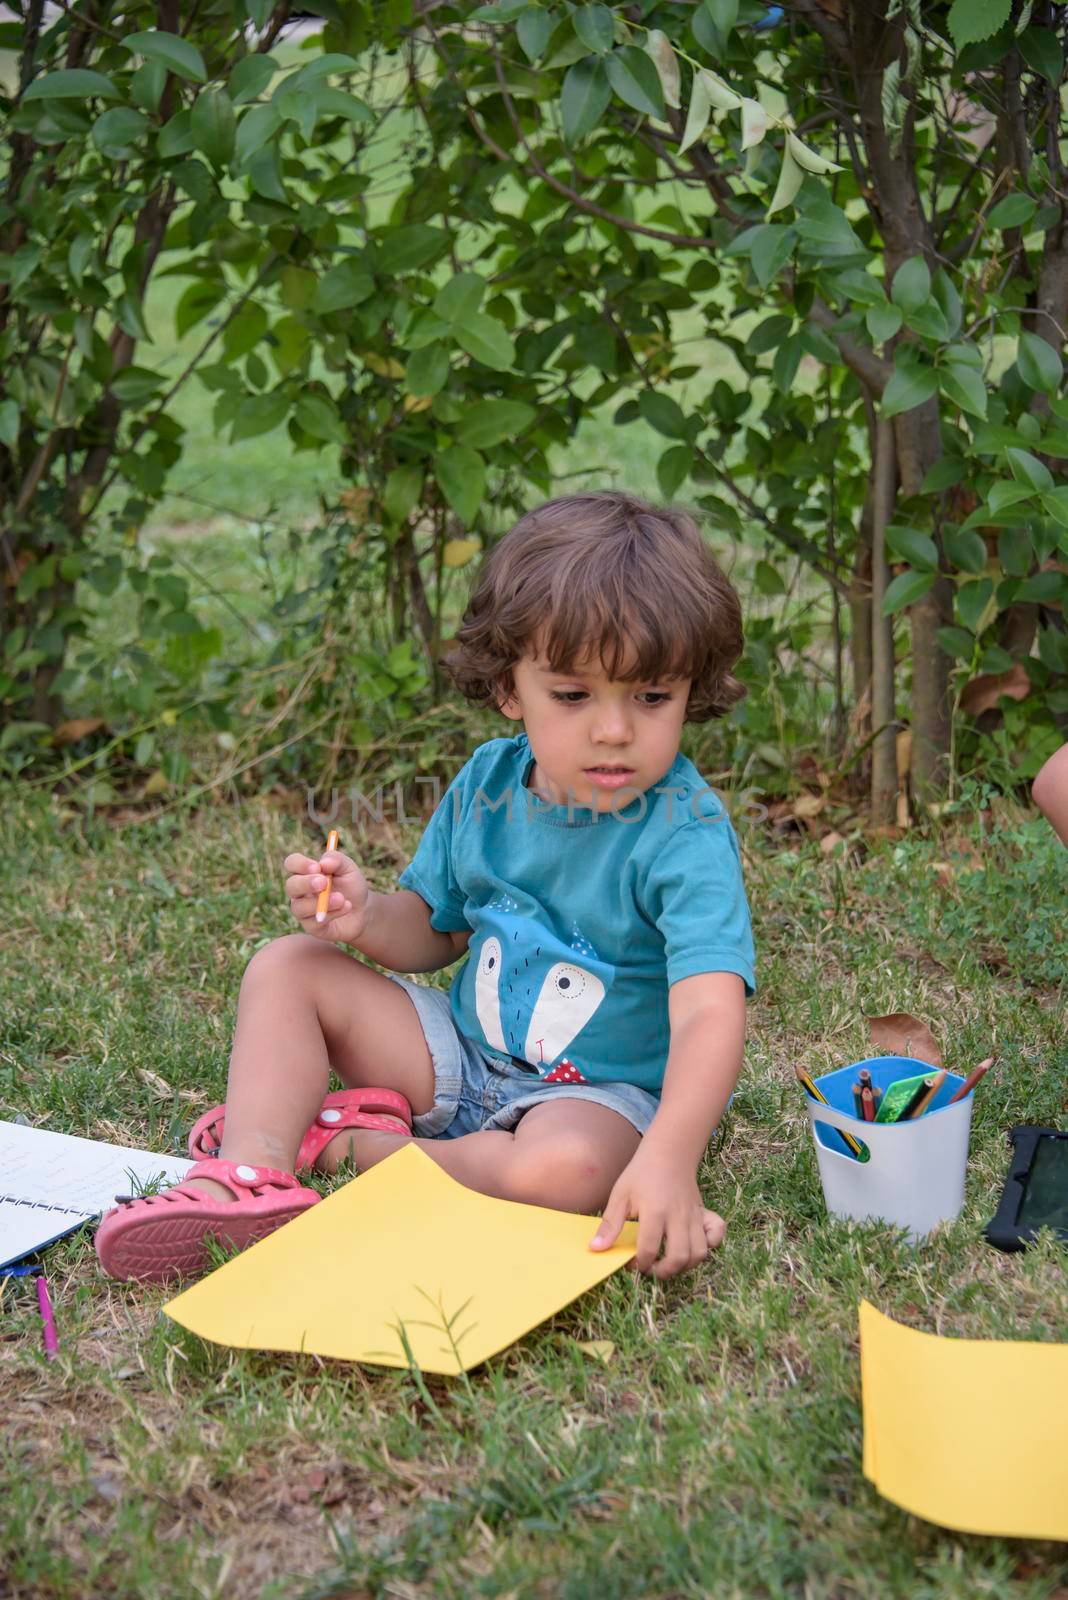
column 716, row 1452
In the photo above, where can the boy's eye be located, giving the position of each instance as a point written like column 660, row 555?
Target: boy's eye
column 572, row 697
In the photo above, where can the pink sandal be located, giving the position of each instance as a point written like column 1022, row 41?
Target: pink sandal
column 161, row 1235
column 346, row 1108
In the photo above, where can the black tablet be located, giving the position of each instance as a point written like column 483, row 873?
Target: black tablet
column 1036, row 1189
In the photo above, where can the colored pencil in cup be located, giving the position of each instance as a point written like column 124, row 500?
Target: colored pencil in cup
column 972, row 1079
column 322, row 905
column 923, row 1100
column 807, row 1084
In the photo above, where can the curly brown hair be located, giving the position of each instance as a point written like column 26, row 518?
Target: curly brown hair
column 610, row 574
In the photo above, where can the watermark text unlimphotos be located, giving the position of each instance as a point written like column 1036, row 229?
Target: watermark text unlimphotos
column 407, row 801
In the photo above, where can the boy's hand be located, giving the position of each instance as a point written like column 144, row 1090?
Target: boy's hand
column 669, row 1209
column 348, row 911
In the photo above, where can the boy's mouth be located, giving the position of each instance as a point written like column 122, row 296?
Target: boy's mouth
column 609, row 777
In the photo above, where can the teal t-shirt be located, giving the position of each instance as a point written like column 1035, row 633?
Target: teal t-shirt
column 580, row 922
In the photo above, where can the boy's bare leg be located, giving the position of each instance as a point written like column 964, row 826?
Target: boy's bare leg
column 566, row 1155
column 305, row 1006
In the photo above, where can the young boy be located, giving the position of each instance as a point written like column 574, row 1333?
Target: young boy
column 593, row 1036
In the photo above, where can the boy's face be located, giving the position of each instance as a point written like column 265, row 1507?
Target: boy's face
column 596, row 738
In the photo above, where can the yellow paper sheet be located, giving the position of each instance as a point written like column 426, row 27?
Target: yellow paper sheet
column 402, row 1243
column 969, row 1433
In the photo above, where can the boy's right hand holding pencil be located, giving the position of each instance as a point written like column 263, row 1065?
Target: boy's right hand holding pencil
column 329, row 896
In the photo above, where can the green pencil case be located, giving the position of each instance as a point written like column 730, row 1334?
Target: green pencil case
column 896, row 1098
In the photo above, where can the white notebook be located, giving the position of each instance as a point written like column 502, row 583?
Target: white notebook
column 50, row 1183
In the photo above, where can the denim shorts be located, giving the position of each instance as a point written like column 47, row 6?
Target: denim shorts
column 475, row 1089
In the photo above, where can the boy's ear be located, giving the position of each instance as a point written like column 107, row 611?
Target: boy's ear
column 507, row 703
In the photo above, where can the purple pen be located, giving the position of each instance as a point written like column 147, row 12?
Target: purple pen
column 51, row 1342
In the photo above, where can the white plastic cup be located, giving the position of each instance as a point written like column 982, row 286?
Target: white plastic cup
column 914, row 1177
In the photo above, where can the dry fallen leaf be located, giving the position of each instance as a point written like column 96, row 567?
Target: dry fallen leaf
column 902, row 1035
column 984, row 692
column 600, row 1349
column 71, row 732
column 903, row 750
column 830, row 842
column 808, row 805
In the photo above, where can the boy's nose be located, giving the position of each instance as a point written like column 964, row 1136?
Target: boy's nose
column 612, row 729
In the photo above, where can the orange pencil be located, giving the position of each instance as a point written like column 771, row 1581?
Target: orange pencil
column 323, row 903
column 933, row 1086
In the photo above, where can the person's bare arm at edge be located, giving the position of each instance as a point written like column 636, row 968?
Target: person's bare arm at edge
column 1050, row 792
column 392, row 929
column 659, row 1185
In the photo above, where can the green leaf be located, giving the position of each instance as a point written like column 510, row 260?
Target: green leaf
column 134, row 384
column 333, row 102
column 1016, row 551
column 699, row 112
column 461, row 296
column 461, row 474
column 860, row 288
column 347, row 284
column 253, row 131
column 927, row 320
column 882, row 322
column 488, row 422
column 178, row 55
column 1055, row 505
column 407, row 248
column 1038, row 363
column 905, row 590
column 197, row 302
column 585, row 93
column 1012, row 212
column 427, row 370
column 213, row 126
column 147, row 85
column 770, row 250
column 1007, row 493
column 534, row 30
column 673, row 468
column 791, row 178
column 965, row 549
column 787, row 360
column 9, row 423
column 825, row 231
column 909, row 544
column 259, row 414
column 1043, row 588
column 596, row 28
column 724, row 14
column 264, row 171
column 72, row 83
column 116, row 130
column 768, row 579
column 245, row 331
column 944, row 474
column 965, row 387
column 1027, row 468
column 1042, row 51
column 130, row 318
column 318, row 415
column 911, row 287
column 972, row 20
column 634, row 79
column 485, row 339
column 907, row 388
column 250, row 77
column 956, row 642
column 662, row 413
column 973, row 600
column 402, row 491
column 769, row 334
column 176, row 137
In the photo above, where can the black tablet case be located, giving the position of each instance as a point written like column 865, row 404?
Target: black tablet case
column 1003, row 1230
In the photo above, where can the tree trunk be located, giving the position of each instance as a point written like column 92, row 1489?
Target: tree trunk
column 884, row 746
